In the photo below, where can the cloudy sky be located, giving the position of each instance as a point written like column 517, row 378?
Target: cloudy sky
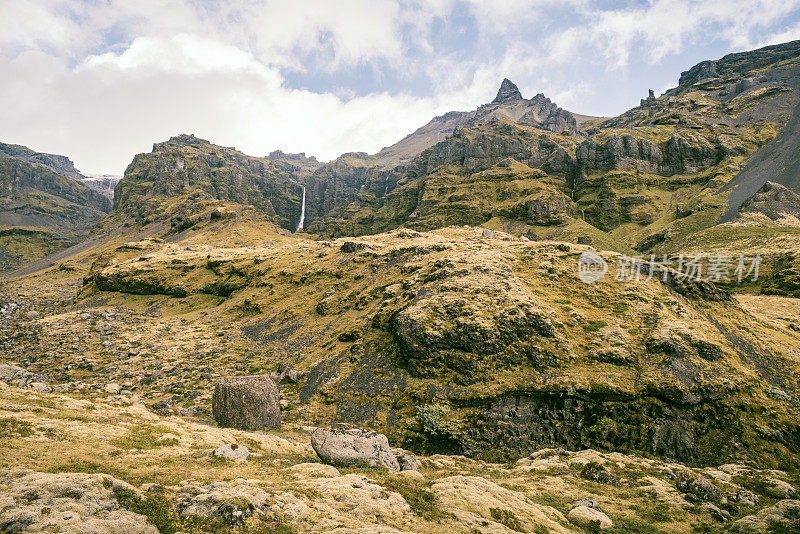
column 101, row 80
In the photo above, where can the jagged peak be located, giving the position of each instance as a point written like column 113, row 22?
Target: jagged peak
column 508, row 91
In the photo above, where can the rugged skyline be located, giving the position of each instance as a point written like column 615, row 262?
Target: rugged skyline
column 102, row 82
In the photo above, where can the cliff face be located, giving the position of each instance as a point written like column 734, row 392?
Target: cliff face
column 58, row 164
column 41, row 210
column 198, row 171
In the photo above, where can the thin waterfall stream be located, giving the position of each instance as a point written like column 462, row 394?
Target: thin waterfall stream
column 302, row 212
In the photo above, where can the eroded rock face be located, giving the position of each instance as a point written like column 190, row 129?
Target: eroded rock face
column 247, row 403
column 476, row 308
column 347, row 447
column 67, row 502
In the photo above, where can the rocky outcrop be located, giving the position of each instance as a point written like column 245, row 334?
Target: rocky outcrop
column 508, row 91
column 352, row 446
column 42, row 211
column 681, row 153
column 67, row 502
column 61, row 165
column 247, row 403
column 773, row 200
column 188, row 166
column 472, row 313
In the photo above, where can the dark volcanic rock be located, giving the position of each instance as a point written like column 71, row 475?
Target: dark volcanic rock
column 508, row 91
column 247, row 403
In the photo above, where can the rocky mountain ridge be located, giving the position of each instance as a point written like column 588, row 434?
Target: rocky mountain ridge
column 44, row 206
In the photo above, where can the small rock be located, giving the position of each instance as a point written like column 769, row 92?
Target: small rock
column 716, row 512
column 588, row 503
column 112, row 388
column 289, row 376
column 40, row 387
column 231, row 451
column 32, row 314
column 488, row 233
column 161, row 405
column 407, row 461
column 589, row 518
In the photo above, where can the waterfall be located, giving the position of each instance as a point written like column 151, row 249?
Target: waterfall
column 302, row 212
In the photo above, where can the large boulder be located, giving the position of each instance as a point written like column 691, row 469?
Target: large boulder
column 352, row 446
column 247, row 403
column 589, row 518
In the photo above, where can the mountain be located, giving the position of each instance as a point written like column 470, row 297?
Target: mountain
column 61, row 165
column 45, row 206
column 438, row 294
column 508, row 104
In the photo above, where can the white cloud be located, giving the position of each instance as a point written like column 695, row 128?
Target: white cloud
column 114, row 105
column 99, row 81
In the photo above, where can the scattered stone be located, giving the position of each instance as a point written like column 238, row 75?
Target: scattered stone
column 352, row 446
column 112, row 388
column 489, row 233
column 407, row 461
column 353, row 246
column 783, row 516
column 698, row 486
column 10, row 373
column 32, row 314
column 67, row 502
column 589, row 503
column 589, row 518
column 40, row 387
column 716, row 512
column 232, row 451
column 598, row 473
column 247, row 403
column 289, row 376
column 232, row 502
column 161, row 405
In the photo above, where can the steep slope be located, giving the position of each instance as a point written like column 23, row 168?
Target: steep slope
column 186, row 176
column 778, row 162
column 651, row 176
column 58, row 164
column 44, row 206
column 497, row 336
column 508, row 104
